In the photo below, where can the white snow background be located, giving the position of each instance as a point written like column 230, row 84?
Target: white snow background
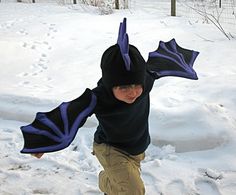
column 50, row 53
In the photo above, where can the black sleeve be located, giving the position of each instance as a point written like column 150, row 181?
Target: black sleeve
column 55, row 130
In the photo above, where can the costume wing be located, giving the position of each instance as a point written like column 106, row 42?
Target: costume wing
column 55, row 130
column 172, row 60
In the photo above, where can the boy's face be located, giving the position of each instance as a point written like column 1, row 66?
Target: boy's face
column 127, row 93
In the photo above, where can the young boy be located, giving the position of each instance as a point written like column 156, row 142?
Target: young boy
column 121, row 105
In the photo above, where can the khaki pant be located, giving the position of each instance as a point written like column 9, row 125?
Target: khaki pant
column 121, row 175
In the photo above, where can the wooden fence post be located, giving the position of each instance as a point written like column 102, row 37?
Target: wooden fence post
column 117, row 6
column 173, row 7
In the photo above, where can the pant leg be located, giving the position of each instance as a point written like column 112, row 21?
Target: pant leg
column 121, row 175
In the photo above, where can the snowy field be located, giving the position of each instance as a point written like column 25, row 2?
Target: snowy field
column 50, row 53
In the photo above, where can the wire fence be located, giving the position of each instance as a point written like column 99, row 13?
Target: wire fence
column 221, row 12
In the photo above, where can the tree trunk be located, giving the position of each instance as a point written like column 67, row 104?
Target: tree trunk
column 74, row 2
column 33, row 1
column 117, row 5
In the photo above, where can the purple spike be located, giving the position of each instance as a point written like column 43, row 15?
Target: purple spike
column 123, row 42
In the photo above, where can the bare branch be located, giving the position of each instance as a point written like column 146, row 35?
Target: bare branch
column 215, row 20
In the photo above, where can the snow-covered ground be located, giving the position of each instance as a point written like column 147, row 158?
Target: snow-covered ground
column 50, row 53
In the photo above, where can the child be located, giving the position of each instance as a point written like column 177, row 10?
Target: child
column 121, row 105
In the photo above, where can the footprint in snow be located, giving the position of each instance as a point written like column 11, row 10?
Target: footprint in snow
column 150, row 182
column 42, row 66
column 41, row 191
column 206, row 187
column 39, row 67
column 23, row 74
column 7, row 25
column 43, row 55
column 221, row 111
column 50, row 36
column 24, row 44
column 22, row 32
column 176, row 187
column 40, row 88
column 148, row 178
column 12, row 177
column 30, row 46
column 92, row 192
column 24, row 83
column 37, row 45
column 51, row 30
column 47, row 45
column 20, row 167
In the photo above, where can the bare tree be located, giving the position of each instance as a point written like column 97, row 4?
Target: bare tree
column 119, row 4
column 107, row 5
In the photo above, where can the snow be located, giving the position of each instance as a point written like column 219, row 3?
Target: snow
column 50, row 53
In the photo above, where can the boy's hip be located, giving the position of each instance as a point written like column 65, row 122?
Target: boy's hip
column 110, row 156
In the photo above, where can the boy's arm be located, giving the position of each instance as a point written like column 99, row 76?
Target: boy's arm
column 172, row 60
column 55, row 130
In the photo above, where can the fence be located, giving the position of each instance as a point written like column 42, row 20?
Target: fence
column 221, row 12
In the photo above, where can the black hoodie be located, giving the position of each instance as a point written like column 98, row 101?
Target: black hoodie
column 123, row 125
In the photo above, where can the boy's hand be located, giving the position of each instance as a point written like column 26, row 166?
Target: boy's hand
column 37, row 155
